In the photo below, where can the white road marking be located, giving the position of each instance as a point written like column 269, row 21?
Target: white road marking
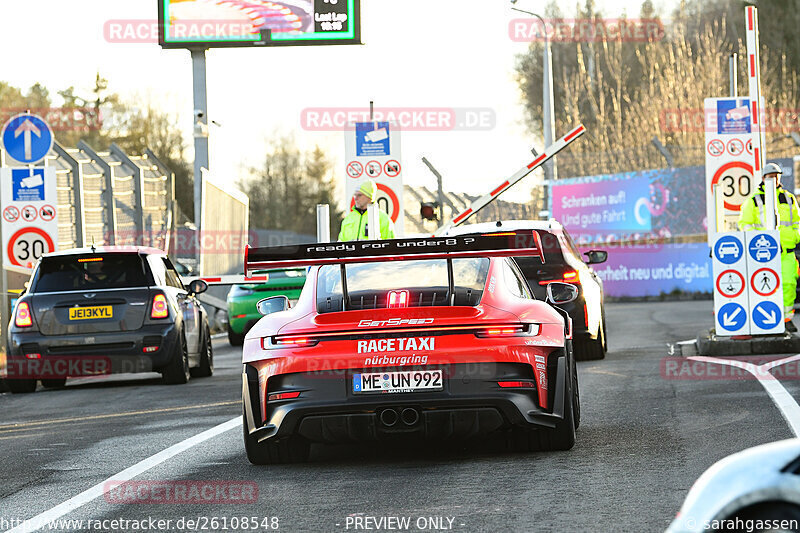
column 783, row 400
column 43, row 519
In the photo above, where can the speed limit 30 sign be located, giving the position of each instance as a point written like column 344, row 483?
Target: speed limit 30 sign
column 729, row 169
column 30, row 222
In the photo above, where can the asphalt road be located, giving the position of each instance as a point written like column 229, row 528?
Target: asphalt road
column 645, row 437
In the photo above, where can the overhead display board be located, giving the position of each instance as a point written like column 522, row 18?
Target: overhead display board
column 231, row 23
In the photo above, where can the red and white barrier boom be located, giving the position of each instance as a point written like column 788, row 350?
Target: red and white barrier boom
column 757, row 114
column 486, row 199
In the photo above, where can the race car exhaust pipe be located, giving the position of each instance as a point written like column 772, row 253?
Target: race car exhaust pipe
column 409, row 416
column 389, row 417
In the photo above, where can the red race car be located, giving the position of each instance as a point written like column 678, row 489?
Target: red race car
column 430, row 338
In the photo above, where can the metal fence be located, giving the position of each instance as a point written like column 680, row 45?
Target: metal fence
column 111, row 197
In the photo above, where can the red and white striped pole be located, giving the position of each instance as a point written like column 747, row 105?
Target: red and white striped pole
column 486, row 199
column 757, row 114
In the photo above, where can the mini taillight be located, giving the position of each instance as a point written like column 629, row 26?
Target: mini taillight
column 570, row 276
column 160, row 308
column 23, row 316
column 282, row 396
column 150, row 349
column 33, row 355
column 516, row 384
column 397, row 299
column 272, row 343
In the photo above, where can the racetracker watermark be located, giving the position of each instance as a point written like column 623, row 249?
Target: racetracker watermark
column 60, row 118
column 181, row 492
column 774, row 120
column 147, row 31
column 404, row 118
column 746, row 367
column 526, row 30
column 36, row 366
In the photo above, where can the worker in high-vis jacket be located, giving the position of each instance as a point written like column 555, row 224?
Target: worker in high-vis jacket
column 751, row 217
column 355, row 226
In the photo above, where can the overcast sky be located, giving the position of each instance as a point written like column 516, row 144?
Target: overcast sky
column 417, row 53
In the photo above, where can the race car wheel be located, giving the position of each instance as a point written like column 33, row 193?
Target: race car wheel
column 54, row 383
column 235, row 339
column 562, row 437
column 576, row 398
column 177, row 370
column 593, row 349
column 18, row 386
column 288, row 450
column 206, row 367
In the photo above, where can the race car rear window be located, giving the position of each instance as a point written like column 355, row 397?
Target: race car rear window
column 89, row 272
column 369, row 284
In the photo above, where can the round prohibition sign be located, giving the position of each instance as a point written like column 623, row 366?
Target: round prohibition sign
column 47, row 212
column 354, row 169
column 27, row 245
column 11, row 214
column 373, row 169
column 715, row 147
column 732, row 188
column 392, row 168
column 735, row 147
column 29, row 213
column 730, row 283
column 765, row 282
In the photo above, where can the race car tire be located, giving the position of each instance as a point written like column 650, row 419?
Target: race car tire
column 593, row 349
column 21, row 386
column 206, row 367
column 54, row 383
column 177, row 370
column 576, row 398
column 235, row 339
column 287, row 450
column 560, row 438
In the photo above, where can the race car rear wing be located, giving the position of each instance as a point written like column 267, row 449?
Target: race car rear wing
column 501, row 244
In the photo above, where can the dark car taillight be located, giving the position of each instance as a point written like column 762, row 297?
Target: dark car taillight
column 159, row 309
column 22, row 317
column 570, row 276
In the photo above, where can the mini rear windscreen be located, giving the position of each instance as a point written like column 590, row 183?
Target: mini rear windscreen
column 74, row 272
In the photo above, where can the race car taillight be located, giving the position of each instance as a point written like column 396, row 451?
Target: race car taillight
column 23, row 317
column 274, row 343
column 397, row 299
column 159, row 308
column 282, row 396
column 516, row 384
column 570, row 276
column 509, row 331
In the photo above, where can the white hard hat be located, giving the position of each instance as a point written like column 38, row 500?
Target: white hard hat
column 771, row 168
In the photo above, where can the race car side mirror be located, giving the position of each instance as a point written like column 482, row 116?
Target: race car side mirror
column 561, row 293
column 273, row 304
column 596, row 256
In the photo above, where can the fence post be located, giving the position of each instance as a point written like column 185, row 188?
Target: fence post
column 138, row 190
column 77, row 193
column 108, row 192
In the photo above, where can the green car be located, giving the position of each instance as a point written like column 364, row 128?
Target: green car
column 242, row 299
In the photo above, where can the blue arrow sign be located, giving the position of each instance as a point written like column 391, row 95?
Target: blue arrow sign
column 27, row 138
column 767, row 315
column 763, row 248
column 732, row 317
column 728, row 249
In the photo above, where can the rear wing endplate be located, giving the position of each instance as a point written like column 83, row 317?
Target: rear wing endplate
column 501, row 244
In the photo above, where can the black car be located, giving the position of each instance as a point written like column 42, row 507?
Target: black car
column 97, row 311
column 562, row 263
